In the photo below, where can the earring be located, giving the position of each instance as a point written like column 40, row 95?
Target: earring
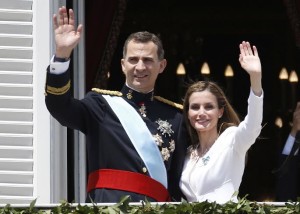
column 220, row 116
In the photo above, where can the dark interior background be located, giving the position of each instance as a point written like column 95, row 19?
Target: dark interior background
column 194, row 32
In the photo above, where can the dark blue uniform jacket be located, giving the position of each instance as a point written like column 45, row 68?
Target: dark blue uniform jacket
column 108, row 146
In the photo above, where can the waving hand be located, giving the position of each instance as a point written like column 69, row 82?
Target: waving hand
column 66, row 36
column 250, row 62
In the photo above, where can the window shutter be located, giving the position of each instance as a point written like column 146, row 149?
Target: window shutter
column 16, row 102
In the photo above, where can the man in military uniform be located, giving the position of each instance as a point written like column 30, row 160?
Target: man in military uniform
column 135, row 140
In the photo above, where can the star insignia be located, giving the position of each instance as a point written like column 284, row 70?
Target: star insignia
column 164, row 127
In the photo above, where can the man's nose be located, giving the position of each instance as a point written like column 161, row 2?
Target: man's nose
column 140, row 65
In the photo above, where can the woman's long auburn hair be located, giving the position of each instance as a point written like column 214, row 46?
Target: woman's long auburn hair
column 229, row 117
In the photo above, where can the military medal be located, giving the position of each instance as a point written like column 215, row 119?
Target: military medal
column 165, row 154
column 164, row 127
column 172, row 145
column 129, row 94
column 142, row 110
column 158, row 139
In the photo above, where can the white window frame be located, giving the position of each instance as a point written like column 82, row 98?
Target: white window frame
column 41, row 118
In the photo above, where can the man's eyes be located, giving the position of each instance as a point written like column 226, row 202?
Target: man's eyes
column 132, row 60
column 135, row 60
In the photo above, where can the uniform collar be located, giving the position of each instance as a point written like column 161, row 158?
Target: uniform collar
column 135, row 96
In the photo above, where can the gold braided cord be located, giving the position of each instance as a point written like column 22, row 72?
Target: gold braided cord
column 171, row 103
column 108, row 92
column 59, row 91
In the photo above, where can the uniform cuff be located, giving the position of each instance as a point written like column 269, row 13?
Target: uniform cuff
column 58, row 67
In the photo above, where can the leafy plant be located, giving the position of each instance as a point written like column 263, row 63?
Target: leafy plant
column 243, row 206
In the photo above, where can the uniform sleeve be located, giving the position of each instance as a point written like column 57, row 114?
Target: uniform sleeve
column 62, row 106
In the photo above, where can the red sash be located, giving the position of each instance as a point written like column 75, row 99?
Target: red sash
column 127, row 181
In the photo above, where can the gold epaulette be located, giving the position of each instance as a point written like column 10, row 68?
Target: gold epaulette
column 108, row 92
column 169, row 102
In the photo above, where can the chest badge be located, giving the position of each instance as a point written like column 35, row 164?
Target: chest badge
column 129, row 94
column 143, row 110
column 164, row 127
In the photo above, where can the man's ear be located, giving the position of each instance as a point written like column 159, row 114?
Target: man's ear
column 122, row 65
column 163, row 65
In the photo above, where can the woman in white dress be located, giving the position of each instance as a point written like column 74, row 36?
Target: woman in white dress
column 215, row 161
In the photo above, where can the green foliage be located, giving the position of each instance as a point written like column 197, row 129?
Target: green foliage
column 243, row 206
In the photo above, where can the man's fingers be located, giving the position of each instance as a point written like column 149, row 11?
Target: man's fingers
column 71, row 17
column 55, row 23
column 65, row 18
column 60, row 17
column 79, row 29
column 297, row 107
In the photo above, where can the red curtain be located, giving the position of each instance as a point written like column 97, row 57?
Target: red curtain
column 103, row 20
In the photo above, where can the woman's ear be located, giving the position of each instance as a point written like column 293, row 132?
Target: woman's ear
column 221, row 111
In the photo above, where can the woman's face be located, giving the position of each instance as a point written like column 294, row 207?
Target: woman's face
column 204, row 112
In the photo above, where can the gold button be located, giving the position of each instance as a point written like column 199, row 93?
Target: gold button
column 144, row 169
